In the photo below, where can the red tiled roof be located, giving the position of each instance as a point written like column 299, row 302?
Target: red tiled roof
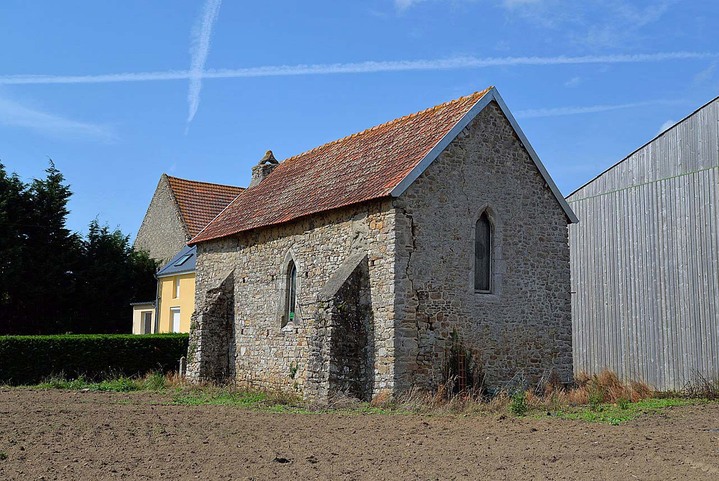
column 358, row 168
column 200, row 202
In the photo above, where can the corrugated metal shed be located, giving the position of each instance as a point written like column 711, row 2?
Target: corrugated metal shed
column 645, row 260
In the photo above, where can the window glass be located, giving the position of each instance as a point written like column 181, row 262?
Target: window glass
column 483, row 254
column 291, row 293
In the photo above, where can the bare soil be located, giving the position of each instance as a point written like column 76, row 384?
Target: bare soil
column 90, row 435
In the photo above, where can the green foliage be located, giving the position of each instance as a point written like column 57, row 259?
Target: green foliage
column 30, row 359
column 616, row 414
column 53, row 280
column 518, row 404
column 273, row 401
column 110, row 276
column 3, row 456
column 156, row 381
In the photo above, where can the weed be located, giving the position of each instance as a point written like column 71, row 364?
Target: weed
column 616, row 414
column 223, row 396
column 3, row 455
column 518, row 405
column 293, row 369
column 701, row 387
column 120, row 384
column 462, row 374
column 155, row 381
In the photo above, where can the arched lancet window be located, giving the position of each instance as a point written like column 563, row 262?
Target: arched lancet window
column 483, row 254
column 291, row 301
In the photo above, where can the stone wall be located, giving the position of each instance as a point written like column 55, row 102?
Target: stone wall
column 162, row 233
column 263, row 354
column 523, row 327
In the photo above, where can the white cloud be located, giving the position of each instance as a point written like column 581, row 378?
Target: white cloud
column 666, row 125
column 562, row 111
column 402, row 5
column 14, row 114
column 597, row 24
column 519, row 3
column 200, row 48
column 705, row 75
column 452, row 63
column 573, row 82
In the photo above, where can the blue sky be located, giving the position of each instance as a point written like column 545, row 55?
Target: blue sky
column 118, row 92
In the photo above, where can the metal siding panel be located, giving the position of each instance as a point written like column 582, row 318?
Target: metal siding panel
column 645, row 260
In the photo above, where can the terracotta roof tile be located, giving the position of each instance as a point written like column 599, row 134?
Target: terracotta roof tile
column 364, row 166
column 200, row 202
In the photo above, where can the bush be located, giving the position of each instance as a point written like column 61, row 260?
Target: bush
column 518, row 406
column 30, row 359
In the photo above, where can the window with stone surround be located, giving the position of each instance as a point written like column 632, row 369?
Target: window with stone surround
column 291, row 295
column 483, row 254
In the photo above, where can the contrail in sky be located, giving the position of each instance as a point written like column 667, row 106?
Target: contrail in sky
column 201, row 34
column 453, row 63
column 561, row 111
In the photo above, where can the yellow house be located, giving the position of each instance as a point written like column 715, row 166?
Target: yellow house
column 143, row 317
column 179, row 210
column 176, row 292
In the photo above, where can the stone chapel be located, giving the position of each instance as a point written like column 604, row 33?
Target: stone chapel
column 368, row 264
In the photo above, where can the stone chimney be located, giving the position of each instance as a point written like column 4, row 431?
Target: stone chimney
column 263, row 168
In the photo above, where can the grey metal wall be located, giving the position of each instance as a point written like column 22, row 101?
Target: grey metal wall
column 645, row 260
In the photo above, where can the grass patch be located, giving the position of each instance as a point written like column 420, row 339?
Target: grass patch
column 618, row 413
column 151, row 382
column 600, row 398
column 252, row 399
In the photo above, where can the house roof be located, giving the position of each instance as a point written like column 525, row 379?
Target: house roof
column 200, row 202
column 379, row 162
column 182, row 263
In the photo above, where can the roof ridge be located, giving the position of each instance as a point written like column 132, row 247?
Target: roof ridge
column 390, row 122
column 206, row 183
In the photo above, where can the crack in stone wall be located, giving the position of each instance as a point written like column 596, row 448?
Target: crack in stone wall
column 524, row 325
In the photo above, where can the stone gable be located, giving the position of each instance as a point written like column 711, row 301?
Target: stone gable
column 521, row 328
column 162, row 233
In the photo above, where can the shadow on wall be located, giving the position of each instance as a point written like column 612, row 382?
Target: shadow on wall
column 212, row 333
column 342, row 348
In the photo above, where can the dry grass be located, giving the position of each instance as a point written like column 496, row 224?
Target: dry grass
column 701, row 387
column 548, row 395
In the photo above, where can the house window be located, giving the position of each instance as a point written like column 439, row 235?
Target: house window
column 147, row 322
column 483, row 254
column 175, row 318
column 176, row 293
column 291, row 301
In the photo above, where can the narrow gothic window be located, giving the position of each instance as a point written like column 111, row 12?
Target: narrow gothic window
column 483, row 254
column 291, row 293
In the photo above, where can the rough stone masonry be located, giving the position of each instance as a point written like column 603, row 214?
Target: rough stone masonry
column 384, row 287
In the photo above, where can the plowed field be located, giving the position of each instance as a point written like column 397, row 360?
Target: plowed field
column 90, row 435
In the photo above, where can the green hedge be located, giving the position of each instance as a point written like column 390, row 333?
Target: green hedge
column 30, row 359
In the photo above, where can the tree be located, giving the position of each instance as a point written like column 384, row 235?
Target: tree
column 111, row 275
column 14, row 206
column 51, row 279
column 52, row 253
